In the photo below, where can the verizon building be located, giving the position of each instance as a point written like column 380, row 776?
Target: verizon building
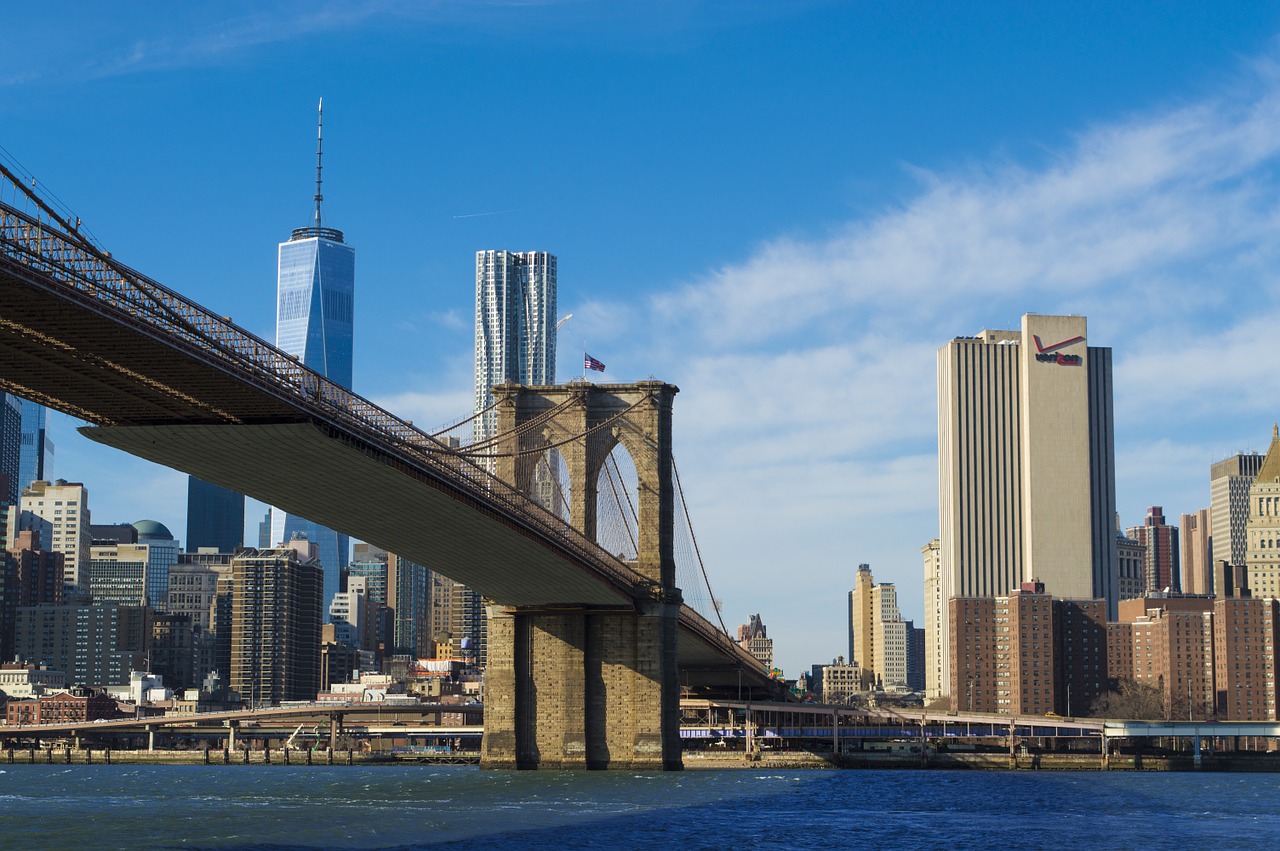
column 1026, row 465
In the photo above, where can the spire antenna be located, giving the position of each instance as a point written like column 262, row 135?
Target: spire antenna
column 319, row 154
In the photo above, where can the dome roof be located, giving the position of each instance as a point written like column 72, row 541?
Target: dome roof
column 153, row 529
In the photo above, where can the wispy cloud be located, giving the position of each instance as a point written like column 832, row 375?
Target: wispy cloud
column 111, row 42
column 808, row 374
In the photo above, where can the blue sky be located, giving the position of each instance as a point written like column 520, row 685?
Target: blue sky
column 784, row 209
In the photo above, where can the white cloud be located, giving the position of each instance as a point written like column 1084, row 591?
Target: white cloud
column 810, row 411
column 428, row 411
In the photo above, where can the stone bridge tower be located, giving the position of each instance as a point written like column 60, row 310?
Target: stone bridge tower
column 580, row 686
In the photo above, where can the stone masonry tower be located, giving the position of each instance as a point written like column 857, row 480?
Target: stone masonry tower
column 576, row 686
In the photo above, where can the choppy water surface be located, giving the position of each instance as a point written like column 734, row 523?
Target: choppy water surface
column 278, row 807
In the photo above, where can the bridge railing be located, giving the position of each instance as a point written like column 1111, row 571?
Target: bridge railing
column 98, row 281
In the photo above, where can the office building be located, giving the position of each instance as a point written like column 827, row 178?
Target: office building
column 840, row 681
column 20, row 681
column 409, row 588
column 1229, row 483
column 193, row 594
column 1026, row 463
column 163, row 550
column 314, row 321
column 275, row 624
column 878, row 637
column 370, row 563
column 354, row 616
column 1161, row 555
column 1196, row 533
column 215, row 517
column 35, row 577
column 935, row 679
column 29, row 576
column 60, row 512
column 10, row 447
column 94, row 645
column 753, row 637
column 915, row 657
column 175, row 647
column 1131, row 567
column 118, row 574
column 1262, row 530
column 193, row 586
column 861, row 643
column 35, row 463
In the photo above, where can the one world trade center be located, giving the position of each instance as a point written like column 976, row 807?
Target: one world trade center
column 315, row 285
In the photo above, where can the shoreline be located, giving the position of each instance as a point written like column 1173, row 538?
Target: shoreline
column 693, row 761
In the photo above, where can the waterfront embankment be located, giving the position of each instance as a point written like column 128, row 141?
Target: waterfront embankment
column 1265, row 762
column 697, row 760
column 218, row 756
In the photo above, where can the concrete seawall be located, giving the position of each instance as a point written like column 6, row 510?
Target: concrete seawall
column 1266, row 762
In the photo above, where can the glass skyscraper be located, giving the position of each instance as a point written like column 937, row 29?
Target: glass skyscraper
column 215, row 517
column 515, row 323
column 35, row 463
column 315, row 287
column 10, row 446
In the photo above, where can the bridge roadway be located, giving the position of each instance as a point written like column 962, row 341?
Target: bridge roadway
column 739, row 719
column 164, row 379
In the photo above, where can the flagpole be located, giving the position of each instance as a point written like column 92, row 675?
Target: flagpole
column 584, row 360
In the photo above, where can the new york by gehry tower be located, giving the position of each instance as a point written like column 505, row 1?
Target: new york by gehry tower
column 315, row 285
column 515, row 323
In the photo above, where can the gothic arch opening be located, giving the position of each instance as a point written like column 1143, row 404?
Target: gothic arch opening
column 550, row 483
column 618, row 504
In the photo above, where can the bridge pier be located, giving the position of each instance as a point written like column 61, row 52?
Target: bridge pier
column 575, row 690
column 576, row 686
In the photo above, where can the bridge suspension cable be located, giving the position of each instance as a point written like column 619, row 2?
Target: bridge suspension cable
column 702, row 567
column 45, row 250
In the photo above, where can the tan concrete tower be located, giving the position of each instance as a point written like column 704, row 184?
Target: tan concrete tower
column 1026, row 458
column 1262, row 534
column 1057, row 546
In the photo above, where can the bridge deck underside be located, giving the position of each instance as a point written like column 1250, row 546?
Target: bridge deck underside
column 167, row 400
column 80, row 360
column 303, row 470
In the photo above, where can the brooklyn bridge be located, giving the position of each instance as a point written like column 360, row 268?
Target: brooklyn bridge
column 589, row 650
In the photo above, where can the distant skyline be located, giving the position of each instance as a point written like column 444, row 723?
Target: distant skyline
column 784, row 209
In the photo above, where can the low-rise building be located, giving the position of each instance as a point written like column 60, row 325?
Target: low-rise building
column 841, row 681
column 66, row 707
column 21, row 681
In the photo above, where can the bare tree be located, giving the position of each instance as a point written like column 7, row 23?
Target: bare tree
column 1130, row 699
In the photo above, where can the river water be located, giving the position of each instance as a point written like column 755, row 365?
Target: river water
column 401, row 807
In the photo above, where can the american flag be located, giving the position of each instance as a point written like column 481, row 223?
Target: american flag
column 589, row 362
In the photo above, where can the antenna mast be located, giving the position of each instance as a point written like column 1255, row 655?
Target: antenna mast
column 319, row 152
